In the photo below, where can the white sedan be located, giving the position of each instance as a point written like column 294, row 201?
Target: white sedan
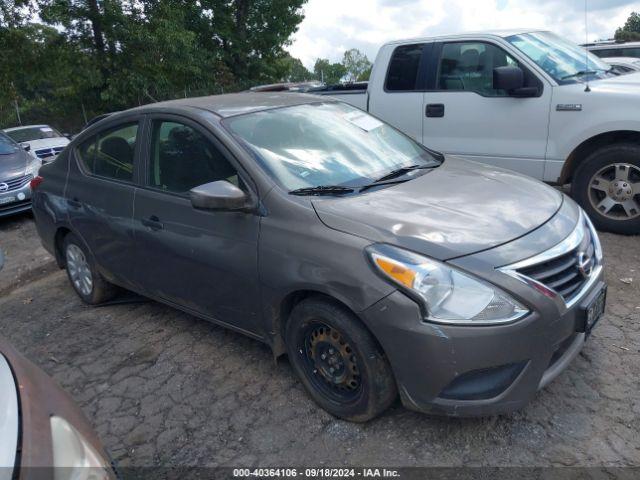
column 44, row 142
column 624, row 65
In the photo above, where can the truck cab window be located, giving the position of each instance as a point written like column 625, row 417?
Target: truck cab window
column 469, row 66
column 403, row 68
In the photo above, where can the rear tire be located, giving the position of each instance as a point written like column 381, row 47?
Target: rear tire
column 90, row 286
column 607, row 187
column 338, row 361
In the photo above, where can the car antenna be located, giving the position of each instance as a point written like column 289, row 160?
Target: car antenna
column 586, row 38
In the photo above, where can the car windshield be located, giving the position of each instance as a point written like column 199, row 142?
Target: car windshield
column 28, row 134
column 7, row 146
column 565, row 62
column 326, row 144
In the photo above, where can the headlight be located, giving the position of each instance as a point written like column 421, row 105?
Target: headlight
column 73, row 457
column 447, row 294
column 33, row 166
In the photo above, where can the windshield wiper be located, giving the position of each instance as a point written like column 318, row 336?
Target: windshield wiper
column 401, row 171
column 581, row 73
column 322, row 190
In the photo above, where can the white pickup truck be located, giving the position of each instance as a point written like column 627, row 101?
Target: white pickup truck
column 524, row 100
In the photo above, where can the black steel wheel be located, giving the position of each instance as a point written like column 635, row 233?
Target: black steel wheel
column 338, row 360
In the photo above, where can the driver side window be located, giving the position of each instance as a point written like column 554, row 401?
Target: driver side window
column 468, row 66
column 183, row 158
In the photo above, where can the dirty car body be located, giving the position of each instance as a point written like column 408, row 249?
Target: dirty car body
column 477, row 285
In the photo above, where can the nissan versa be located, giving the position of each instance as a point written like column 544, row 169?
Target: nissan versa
column 380, row 267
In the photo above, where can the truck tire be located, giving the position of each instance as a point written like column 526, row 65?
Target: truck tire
column 607, row 187
column 85, row 279
column 338, row 361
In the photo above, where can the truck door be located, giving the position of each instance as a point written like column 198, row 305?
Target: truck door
column 464, row 115
column 400, row 94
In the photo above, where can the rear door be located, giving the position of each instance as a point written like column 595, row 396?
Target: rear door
column 99, row 195
column 203, row 260
column 400, row 101
column 464, row 114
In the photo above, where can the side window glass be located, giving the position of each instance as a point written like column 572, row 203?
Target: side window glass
column 110, row 154
column 182, row 158
column 403, row 68
column 469, row 67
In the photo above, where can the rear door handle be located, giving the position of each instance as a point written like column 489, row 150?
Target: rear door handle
column 435, row 110
column 153, row 223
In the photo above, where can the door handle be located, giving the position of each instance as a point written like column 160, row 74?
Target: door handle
column 435, row 110
column 74, row 202
column 153, row 223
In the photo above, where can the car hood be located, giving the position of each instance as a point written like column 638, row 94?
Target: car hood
column 13, row 165
column 457, row 209
column 48, row 143
column 628, row 83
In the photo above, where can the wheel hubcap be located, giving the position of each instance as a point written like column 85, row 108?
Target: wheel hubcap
column 332, row 362
column 79, row 270
column 614, row 191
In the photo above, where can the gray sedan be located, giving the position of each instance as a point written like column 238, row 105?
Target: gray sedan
column 17, row 169
column 379, row 267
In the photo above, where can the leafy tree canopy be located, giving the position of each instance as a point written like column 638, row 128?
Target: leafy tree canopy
column 631, row 29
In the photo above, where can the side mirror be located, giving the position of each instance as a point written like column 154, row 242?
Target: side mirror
column 511, row 79
column 220, row 195
column 26, row 147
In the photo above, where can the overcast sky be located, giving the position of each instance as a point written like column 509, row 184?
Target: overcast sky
column 332, row 26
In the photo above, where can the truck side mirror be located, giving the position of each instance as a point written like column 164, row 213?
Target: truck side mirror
column 511, row 79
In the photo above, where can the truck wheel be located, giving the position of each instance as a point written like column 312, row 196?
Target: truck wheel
column 339, row 361
column 85, row 279
column 607, row 186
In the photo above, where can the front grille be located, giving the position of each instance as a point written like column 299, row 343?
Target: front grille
column 566, row 273
column 48, row 152
column 16, row 183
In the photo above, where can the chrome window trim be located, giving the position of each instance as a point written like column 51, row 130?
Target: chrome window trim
column 9, row 428
column 562, row 248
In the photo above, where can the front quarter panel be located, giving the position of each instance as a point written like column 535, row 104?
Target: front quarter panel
column 606, row 108
column 298, row 253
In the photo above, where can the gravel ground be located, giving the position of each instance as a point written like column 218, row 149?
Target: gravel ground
column 164, row 388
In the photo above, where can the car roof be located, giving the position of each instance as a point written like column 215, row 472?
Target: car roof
column 232, row 104
column 484, row 33
column 609, row 46
column 621, row 59
column 25, row 126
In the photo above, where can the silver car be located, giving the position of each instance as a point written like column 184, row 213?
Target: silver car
column 17, row 169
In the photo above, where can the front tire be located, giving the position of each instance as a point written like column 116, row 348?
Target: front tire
column 90, row 286
column 607, row 187
column 338, row 361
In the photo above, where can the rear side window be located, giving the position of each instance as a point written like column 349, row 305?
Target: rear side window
column 110, row 153
column 617, row 52
column 403, row 68
column 183, row 158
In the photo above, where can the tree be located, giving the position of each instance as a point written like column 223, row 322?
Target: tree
column 294, row 70
column 631, row 29
column 356, row 64
column 328, row 72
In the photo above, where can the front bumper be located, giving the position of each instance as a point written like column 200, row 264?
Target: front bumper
column 473, row 371
column 15, row 201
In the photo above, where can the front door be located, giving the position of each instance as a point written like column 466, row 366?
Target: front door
column 205, row 261
column 466, row 116
column 99, row 195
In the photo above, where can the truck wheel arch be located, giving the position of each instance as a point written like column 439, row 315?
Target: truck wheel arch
column 592, row 144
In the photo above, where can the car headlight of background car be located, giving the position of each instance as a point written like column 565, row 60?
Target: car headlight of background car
column 73, row 456
column 33, row 166
column 447, row 294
